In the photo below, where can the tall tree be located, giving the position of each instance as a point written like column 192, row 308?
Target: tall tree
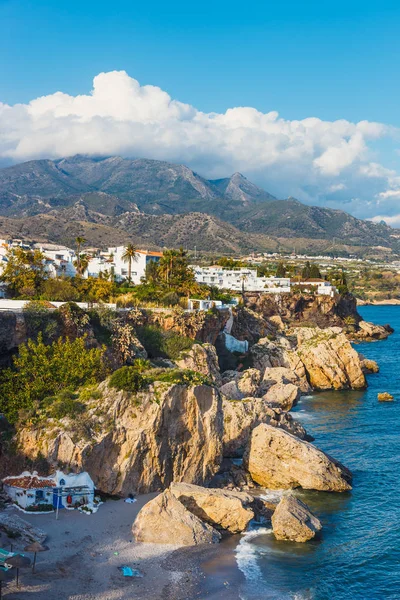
column 129, row 256
column 25, row 272
column 280, row 270
column 80, row 241
column 81, row 263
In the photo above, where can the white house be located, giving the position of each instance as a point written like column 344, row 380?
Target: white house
column 30, row 490
column 241, row 279
column 322, row 287
column 60, row 259
column 138, row 266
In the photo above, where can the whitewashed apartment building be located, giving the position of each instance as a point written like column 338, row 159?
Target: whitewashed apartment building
column 241, row 279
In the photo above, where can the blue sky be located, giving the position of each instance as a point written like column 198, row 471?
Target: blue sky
column 330, row 60
column 327, row 59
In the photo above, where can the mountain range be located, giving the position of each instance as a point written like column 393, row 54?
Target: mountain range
column 155, row 203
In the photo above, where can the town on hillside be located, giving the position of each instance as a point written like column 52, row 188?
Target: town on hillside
column 135, row 267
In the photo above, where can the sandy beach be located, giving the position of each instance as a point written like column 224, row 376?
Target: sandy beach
column 86, row 551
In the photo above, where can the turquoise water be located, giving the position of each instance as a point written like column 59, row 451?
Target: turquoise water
column 358, row 554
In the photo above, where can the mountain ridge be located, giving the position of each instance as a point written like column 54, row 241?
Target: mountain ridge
column 107, row 190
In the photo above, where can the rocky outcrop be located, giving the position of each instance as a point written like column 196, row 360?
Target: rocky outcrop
column 241, row 417
column 165, row 520
column 278, row 460
column 241, row 385
column 292, row 520
column 202, row 326
column 138, row 442
column 280, row 353
column 368, row 366
column 19, row 529
column 296, row 308
column 220, row 508
column 203, row 359
column 329, row 359
column 369, row 332
column 250, row 325
column 280, row 387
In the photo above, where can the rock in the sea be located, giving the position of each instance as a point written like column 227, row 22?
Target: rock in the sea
column 203, row 359
column 369, row 331
column 369, row 366
column 329, row 359
column 240, row 418
column 278, row 460
column 292, row 520
column 385, row 397
column 138, row 442
column 165, row 520
column 18, row 528
column 222, row 509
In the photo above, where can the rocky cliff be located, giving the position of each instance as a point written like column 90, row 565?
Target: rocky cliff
column 137, row 442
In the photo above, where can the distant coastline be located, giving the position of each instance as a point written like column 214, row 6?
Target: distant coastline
column 388, row 302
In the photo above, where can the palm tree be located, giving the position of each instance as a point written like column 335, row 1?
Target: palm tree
column 81, row 263
column 79, row 243
column 166, row 264
column 128, row 256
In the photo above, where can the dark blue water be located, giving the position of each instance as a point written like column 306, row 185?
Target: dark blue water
column 358, row 554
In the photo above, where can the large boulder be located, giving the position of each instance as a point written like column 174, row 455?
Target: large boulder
column 165, row 520
column 222, row 509
column 280, row 353
column 329, row 359
column 237, row 386
column 201, row 358
column 369, row 331
column 292, row 520
column 241, row 417
column 19, row 529
column 278, row 460
column 138, row 442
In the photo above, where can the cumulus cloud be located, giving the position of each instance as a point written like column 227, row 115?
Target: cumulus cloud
column 322, row 162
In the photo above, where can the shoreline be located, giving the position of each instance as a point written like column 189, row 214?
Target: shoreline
column 388, row 302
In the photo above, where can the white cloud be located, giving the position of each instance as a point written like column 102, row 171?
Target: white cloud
column 321, row 162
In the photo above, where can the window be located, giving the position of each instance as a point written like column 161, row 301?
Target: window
column 62, row 481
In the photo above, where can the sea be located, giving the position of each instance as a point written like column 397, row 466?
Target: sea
column 357, row 556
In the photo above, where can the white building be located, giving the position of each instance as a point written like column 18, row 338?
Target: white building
column 29, row 490
column 60, row 259
column 138, row 265
column 322, row 287
column 241, row 279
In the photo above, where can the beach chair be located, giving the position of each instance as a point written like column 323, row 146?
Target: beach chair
column 4, row 554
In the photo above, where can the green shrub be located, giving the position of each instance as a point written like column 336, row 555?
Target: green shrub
column 65, row 407
column 160, row 343
column 40, row 371
column 40, row 508
column 182, row 377
column 128, row 379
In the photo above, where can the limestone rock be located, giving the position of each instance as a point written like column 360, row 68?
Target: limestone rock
column 220, row 508
column 241, row 385
column 281, row 353
column 369, row 366
column 138, row 442
column 369, row 331
column 283, row 395
column 278, row 460
column 240, row 418
column 249, row 382
column 20, row 529
column 202, row 359
column 329, row 359
column 165, row 520
column 293, row 521
column 385, row 397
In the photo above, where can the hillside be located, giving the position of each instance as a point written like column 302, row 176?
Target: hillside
column 167, row 204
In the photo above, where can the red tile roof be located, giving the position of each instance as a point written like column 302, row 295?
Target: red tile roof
column 29, row 482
